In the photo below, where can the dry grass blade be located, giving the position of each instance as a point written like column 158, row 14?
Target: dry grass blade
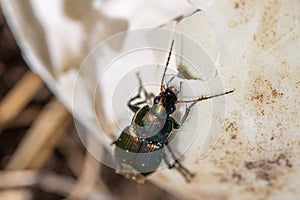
column 26, row 117
column 56, row 183
column 88, row 178
column 15, row 179
column 74, row 155
column 85, row 187
column 46, row 180
column 16, row 194
column 41, row 138
column 18, row 98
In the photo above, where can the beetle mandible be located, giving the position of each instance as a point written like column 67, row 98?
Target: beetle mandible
column 141, row 146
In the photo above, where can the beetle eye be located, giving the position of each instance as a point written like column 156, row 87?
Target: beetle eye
column 172, row 109
column 156, row 99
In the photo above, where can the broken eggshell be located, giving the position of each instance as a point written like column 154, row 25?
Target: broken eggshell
column 55, row 37
column 257, row 154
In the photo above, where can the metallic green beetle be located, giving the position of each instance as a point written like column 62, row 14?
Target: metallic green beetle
column 141, row 146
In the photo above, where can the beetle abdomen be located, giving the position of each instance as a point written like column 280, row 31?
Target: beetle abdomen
column 140, row 162
column 135, row 154
column 140, row 147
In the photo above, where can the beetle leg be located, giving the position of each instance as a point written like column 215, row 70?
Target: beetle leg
column 187, row 112
column 187, row 175
column 171, row 79
column 180, row 168
column 178, row 163
column 176, row 125
column 180, row 86
column 148, row 96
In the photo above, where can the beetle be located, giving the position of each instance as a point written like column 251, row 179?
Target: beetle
column 140, row 148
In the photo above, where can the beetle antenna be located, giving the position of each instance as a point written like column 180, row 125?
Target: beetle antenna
column 171, row 79
column 204, row 97
column 164, row 74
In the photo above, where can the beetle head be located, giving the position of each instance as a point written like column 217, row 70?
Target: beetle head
column 167, row 99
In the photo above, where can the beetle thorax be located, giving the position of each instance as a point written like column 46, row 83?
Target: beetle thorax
column 159, row 111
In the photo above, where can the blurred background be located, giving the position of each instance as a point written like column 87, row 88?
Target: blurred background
column 253, row 43
column 41, row 156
